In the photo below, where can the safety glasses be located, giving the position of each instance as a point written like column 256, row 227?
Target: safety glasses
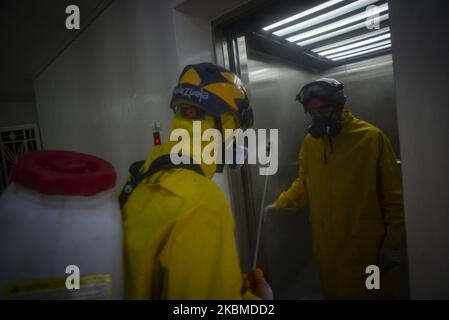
column 190, row 111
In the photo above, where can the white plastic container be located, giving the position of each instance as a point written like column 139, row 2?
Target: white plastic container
column 60, row 216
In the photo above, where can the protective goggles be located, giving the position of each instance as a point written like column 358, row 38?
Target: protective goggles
column 191, row 112
column 320, row 90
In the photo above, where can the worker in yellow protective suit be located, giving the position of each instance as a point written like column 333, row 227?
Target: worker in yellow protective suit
column 349, row 178
column 178, row 227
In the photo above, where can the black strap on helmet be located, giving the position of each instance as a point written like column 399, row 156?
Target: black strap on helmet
column 247, row 118
column 161, row 163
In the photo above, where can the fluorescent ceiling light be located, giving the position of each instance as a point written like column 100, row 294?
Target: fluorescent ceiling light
column 325, row 17
column 362, row 52
column 355, row 45
column 302, row 14
column 339, row 32
column 374, row 45
column 336, row 24
column 351, row 40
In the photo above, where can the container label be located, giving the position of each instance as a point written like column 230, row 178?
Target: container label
column 92, row 287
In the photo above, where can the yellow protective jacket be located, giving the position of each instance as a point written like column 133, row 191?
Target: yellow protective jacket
column 179, row 236
column 352, row 187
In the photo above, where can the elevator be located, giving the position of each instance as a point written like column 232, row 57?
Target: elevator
column 275, row 48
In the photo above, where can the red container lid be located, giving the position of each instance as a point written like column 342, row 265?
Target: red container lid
column 68, row 173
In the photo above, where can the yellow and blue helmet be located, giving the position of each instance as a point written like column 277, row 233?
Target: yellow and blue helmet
column 214, row 90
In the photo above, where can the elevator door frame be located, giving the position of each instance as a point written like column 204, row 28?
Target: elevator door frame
column 230, row 52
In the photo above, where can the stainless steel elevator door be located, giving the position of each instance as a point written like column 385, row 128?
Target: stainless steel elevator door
column 286, row 248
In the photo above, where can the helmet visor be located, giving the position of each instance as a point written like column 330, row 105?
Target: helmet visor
column 320, row 90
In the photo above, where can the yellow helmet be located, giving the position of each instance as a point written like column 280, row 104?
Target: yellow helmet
column 214, row 90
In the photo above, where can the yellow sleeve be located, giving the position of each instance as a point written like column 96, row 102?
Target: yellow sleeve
column 199, row 260
column 296, row 196
column 390, row 194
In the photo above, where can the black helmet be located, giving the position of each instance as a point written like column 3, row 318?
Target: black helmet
column 326, row 90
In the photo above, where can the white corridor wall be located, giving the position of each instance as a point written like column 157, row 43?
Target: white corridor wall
column 103, row 93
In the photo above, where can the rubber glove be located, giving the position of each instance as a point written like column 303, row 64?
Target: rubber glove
column 255, row 282
column 271, row 208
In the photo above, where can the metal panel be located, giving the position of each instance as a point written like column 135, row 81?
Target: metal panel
column 286, row 250
column 421, row 67
column 369, row 86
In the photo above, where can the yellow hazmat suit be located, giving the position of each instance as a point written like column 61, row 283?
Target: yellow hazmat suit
column 179, row 232
column 352, row 187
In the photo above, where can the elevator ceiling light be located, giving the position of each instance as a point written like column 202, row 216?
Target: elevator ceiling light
column 377, row 44
column 325, row 17
column 362, row 52
column 351, row 40
column 339, row 32
column 335, row 25
column 302, row 14
column 355, row 45
column 335, row 30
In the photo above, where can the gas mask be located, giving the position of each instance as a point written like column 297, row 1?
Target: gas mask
column 323, row 100
column 325, row 125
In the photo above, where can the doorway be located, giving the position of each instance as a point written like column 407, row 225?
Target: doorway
column 277, row 47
